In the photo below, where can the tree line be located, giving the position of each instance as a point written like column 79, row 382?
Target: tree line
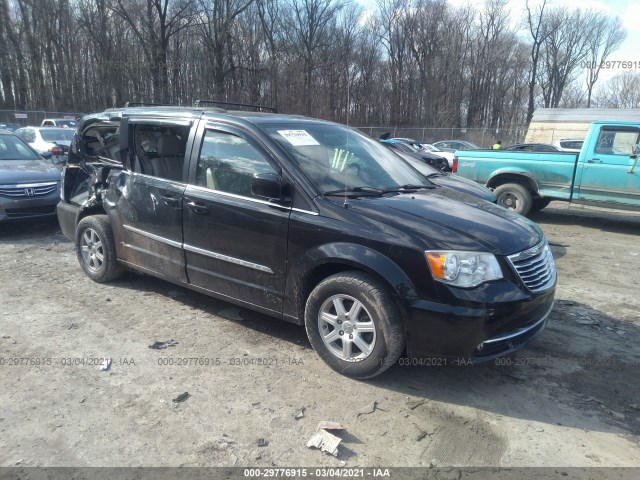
column 406, row 62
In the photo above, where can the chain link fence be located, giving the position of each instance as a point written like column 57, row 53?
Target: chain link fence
column 12, row 119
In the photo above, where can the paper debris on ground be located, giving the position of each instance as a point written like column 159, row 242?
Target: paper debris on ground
column 325, row 441
column 106, row 364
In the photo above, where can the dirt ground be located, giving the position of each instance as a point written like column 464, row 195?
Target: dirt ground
column 572, row 398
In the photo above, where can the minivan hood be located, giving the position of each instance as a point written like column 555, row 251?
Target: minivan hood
column 448, row 219
column 27, row 171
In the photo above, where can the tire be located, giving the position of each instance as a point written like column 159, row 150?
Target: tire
column 539, row 204
column 96, row 249
column 370, row 352
column 514, row 197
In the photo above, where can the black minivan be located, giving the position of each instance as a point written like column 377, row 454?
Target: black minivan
column 309, row 221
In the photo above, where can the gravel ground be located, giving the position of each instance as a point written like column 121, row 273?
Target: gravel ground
column 258, row 391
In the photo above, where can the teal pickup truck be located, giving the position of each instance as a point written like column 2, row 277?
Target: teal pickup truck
column 605, row 173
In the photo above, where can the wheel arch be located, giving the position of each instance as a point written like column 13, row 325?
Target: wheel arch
column 330, row 259
column 523, row 178
column 89, row 210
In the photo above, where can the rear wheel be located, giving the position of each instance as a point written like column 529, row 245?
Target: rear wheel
column 514, row 197
column 353, row 325
column 96, row 249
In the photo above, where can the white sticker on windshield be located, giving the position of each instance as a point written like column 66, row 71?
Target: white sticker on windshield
column 298, row 138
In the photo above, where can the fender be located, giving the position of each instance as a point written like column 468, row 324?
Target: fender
column 510, row 175
column 324, row 260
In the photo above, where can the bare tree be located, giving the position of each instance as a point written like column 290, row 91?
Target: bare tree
column 159, row 21
column 217, row 36
column 622, row 91
column 605, row 35
column 310, row 26
column 539, row 34
column 269, row 14
column 486, row 59
column 394, row 18
column 565, row 47
column 8, row 73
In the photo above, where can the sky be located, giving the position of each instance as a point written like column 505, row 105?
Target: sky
column 627, row 10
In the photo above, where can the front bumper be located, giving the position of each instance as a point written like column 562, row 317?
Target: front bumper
column 68, row 219
column 29, row 207
column 478, row 334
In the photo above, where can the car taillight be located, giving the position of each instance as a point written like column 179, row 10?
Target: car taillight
column 56, row 150
column 454, row 168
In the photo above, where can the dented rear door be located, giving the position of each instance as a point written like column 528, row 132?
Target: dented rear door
column 146, row 213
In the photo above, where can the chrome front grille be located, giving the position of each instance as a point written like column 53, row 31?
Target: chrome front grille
column 535, row 267
column 28, row 190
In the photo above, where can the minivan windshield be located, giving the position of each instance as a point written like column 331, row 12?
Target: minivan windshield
column 336, row 158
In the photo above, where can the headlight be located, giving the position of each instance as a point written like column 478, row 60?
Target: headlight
column 463, row 269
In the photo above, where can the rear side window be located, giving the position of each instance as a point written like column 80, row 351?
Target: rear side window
column 228, row 162
column 159, row 151
column 573, row 144
column 617, row 141
column 58, row 134
column 100, row 140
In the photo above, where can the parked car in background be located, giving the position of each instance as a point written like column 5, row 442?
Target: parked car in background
column 59, row 122
column 56, row 141
column 428, row 148
column 29, row 184
column 437, row 151
column 435, row 161
column 454, row 182
column 453, row 145
column 10, row 127
column 570, row 144
column 532, row 147
column 410, row 141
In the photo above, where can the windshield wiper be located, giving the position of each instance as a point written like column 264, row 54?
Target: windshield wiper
column 409, row 188
column 363, row 190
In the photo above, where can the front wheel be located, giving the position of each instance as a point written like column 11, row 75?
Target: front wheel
column 539, row 204
column 514, row 197
column 353, row 325
column 96, row 249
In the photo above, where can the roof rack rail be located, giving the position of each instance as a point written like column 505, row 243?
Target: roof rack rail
column 147, row 104
column 200, row 103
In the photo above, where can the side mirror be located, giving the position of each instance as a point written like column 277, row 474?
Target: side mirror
column 266, row 185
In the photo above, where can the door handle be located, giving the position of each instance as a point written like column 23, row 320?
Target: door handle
column 170, row 200
column 198, row 208
column 594, row 160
